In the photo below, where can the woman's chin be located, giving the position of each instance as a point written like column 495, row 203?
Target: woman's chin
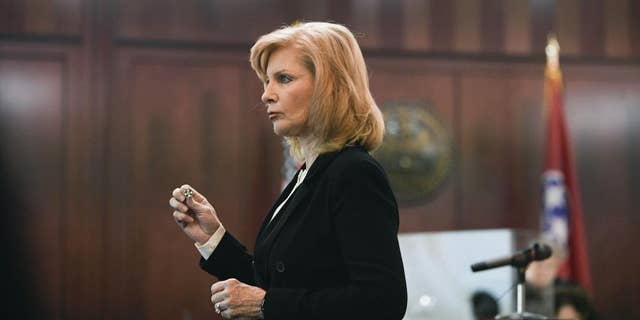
column 277, row 130
column 280, row 130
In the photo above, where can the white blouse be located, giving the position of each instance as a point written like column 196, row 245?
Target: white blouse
column 206, row 249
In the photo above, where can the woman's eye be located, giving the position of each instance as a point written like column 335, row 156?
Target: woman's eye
column 283, row 78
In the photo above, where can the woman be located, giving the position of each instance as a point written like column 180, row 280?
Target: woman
column 328, row 247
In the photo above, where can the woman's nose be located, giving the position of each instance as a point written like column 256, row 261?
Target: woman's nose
column 269, row 96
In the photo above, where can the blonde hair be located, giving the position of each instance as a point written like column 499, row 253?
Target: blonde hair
column 343, row 111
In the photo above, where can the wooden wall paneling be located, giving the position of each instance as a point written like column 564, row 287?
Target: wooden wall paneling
column 617, row 29
column 59, row 17
column 12, row 14
column 592, row 27
column 614, row 278
column 181, row 125
column 266, row 16
column 543, row 13
column 314, row 10
column 416, row 25
column 567, row 27
column 34, row 110
column 222, row 22
column 83, row 294
column 493, row 28
column 468, row 29
column 366, row 23
column 441, row 25
column 517, row 27
column 524, row 96
column 500, row 26
column 186, row 134
column 485, row 147
column 634, row 27
column 342, row 11
column 598, row 106
column 292, row 10
column 193, row 20
column 633, row 141
column 433, row 87
column 122, row 298
column 46, row 107
column 90, row 89
column 597, row 114
column 61, row 168
column 391, row 17
column 301, row 10
column 164, row 19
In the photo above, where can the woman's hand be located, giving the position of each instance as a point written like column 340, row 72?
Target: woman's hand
column 196, row 217
column 233, row 299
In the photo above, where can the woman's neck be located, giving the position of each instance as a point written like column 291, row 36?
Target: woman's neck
column 308, row 151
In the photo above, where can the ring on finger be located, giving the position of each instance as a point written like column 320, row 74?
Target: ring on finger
column 217, row 307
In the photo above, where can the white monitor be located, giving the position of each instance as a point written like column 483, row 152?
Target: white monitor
column 440, row 282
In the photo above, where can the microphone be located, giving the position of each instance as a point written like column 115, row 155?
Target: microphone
column 537, row 252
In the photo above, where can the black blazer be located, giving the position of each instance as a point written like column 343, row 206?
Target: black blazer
column 331, row 252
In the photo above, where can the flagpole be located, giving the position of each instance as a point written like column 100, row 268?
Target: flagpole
column 562, row 220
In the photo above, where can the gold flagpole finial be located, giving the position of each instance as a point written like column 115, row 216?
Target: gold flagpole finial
column 553, row 52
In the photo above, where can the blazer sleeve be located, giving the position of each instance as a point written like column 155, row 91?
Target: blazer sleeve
column 230, row 259
column 366, row 223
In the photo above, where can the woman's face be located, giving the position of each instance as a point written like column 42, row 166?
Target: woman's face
column 287, row 92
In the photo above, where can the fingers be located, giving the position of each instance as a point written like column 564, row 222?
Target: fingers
column 197, row 206
column 182, row 219
column 233, row 299
column 182, row 203
column 227, row 313
column 219, row 297
column 194, row 193
column 221, row 285
column 177, row 205
column 222, row 310
column 178, row 194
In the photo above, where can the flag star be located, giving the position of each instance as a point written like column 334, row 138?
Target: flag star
column 554, row 197
column 559, row 230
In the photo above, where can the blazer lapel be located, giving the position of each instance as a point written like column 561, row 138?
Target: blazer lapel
column 269, row 233
column 283, row 195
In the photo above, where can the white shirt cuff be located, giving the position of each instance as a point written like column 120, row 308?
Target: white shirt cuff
column 206, row 250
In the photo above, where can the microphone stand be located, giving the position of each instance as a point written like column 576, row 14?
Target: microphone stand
column 520, row 314
column 520, row 261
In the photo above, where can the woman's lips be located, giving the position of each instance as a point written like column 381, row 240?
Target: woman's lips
column 274, row 115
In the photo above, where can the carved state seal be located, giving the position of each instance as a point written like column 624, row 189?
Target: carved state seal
column 417, row 151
